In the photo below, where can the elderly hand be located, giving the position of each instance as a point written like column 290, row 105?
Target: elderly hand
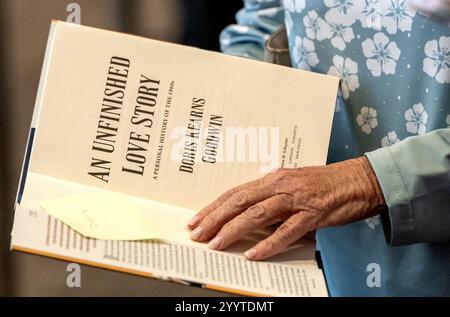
column 303, row 199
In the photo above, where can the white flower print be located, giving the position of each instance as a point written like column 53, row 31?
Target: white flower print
column 382, row 54
column 390, row 139
column 372, row 222
column 343, row 8
column 294, row 5
column 304, row 53
column 437, row 62
column 340, row 31
column 347, row 70
column 448, row 121
column 340, row 5
column 367, row 119
column 315, row 26
column 398, row 15
column 416, row 119
column 371, row 15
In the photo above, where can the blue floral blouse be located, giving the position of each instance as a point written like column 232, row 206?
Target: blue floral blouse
column 394, row 65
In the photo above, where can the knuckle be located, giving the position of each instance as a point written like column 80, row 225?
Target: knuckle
column 283, row 178
column 257, row 212
column 231, row 231
column 269, row 245
column 285, row 175
column 238, row 199
column 227, row 194
column 209, row 222
column 228, row 228
column 286, row 202
column 270, row 182
column 285, row 233
column 272, row 187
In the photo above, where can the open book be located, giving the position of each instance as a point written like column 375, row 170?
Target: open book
column 164, row 129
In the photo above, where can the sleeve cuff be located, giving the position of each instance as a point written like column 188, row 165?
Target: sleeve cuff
column 398, row 220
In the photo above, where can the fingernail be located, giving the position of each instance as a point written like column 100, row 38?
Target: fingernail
column 215, row 243
column 196, row 233
column 250, row 254
column 194, row 220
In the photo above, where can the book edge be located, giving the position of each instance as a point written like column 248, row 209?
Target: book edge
column 128, row 271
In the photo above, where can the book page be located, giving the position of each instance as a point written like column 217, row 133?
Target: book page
column 172, row 261
column 170, row 123
column 106, row 216
column 170, row 220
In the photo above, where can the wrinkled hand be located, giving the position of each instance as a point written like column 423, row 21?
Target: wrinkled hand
column 303, row 199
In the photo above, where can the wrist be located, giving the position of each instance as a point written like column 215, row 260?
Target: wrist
column 358, row 187
column 369, row 185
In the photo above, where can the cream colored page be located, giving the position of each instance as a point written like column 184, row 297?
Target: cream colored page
column 165, row 260
column 242, row 93
column 104, row 216
column 159, row 221
column 164, row 221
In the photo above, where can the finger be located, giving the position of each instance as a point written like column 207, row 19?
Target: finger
column 194, row 221
column 290, row 231
column 232, row 207
column 257, row 216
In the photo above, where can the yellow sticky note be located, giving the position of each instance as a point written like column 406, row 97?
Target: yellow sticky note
column 103, row 216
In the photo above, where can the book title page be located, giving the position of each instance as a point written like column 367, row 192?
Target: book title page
column 171, row 123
